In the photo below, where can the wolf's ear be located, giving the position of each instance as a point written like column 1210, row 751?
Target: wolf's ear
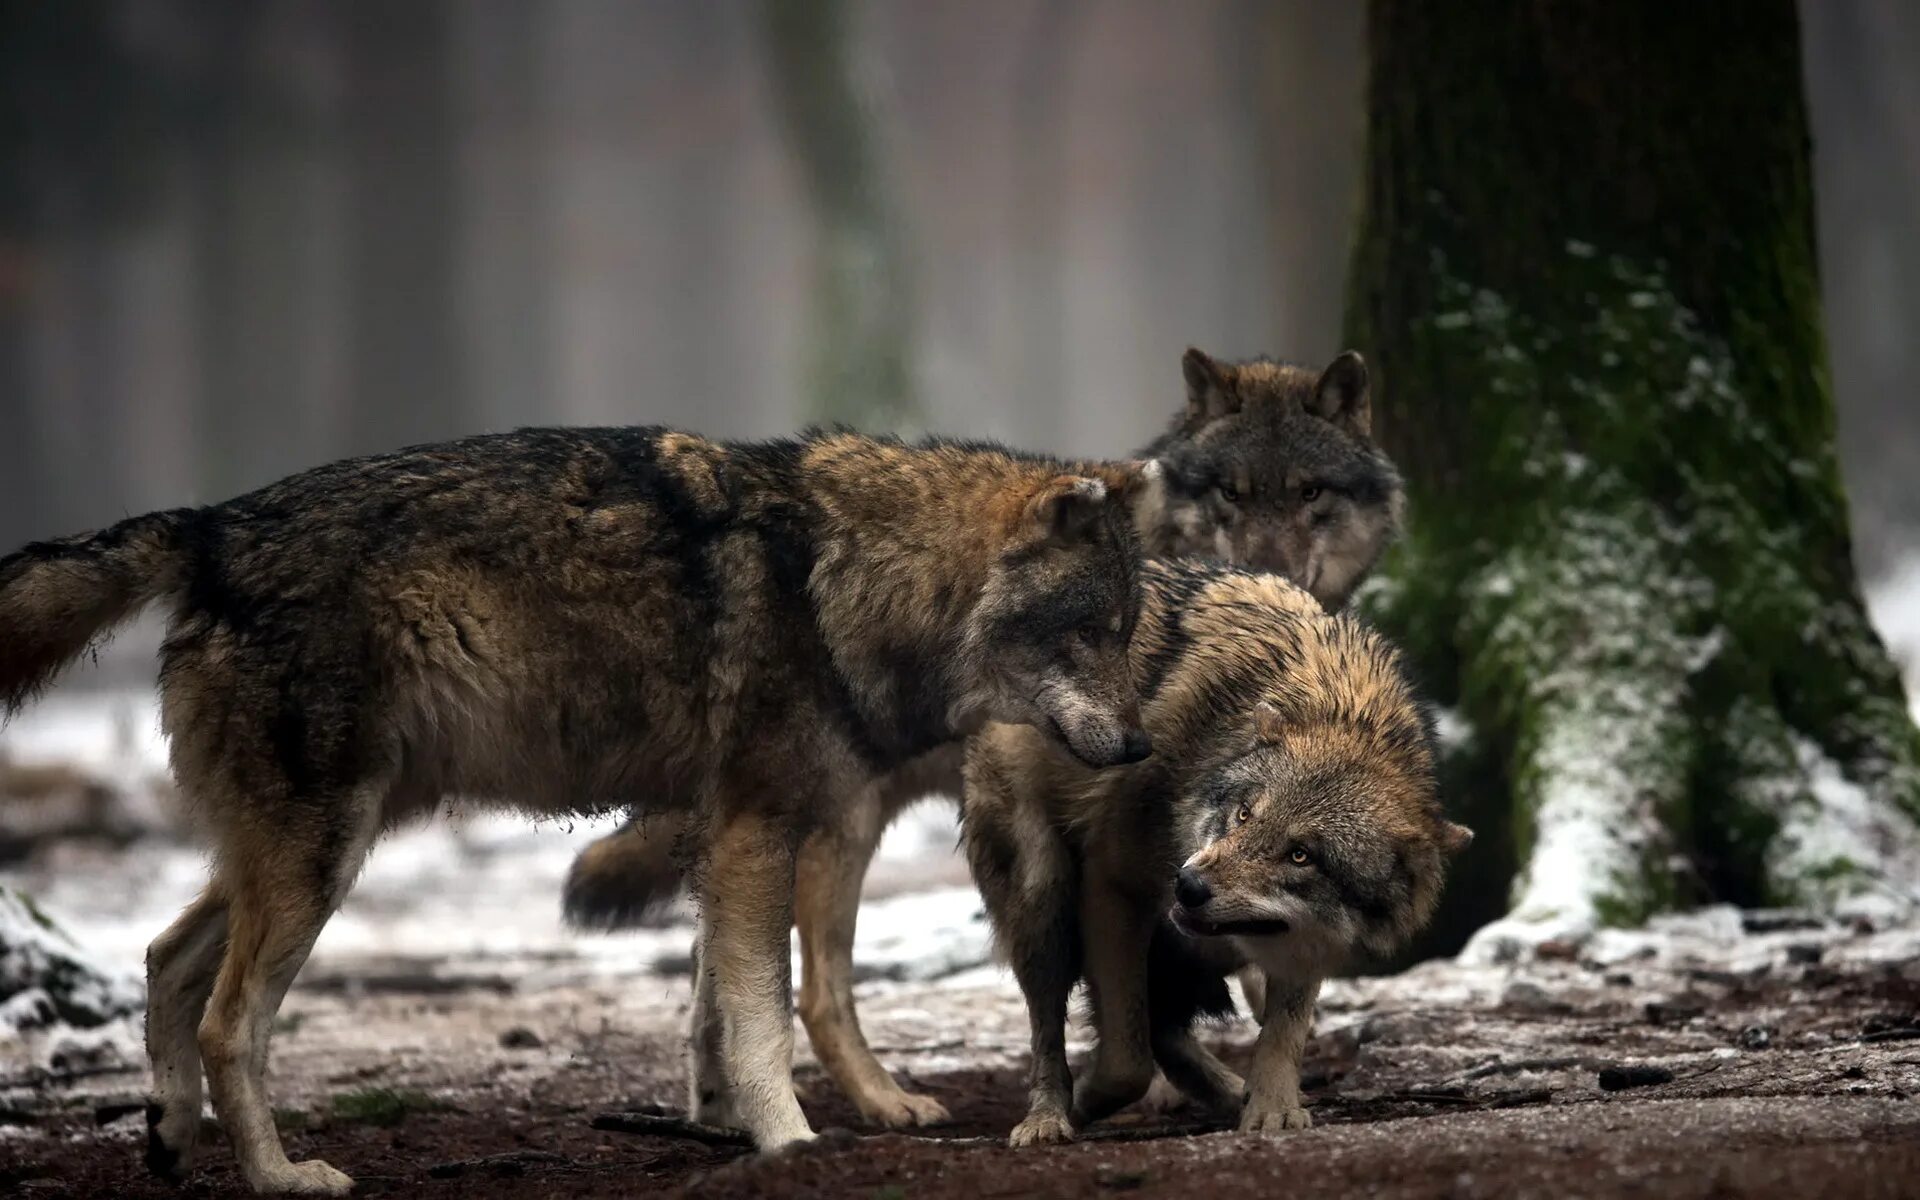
column 1341, row 396
column 1268, row 723
column 1210, row 391
column 1454, row 838
column 1066, row 507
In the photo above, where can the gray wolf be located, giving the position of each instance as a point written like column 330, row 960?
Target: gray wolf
column 1267, row 464
column 576, row 621
column 1288, row 820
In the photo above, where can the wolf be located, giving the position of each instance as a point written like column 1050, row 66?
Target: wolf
column 1288, row 820
column 575, row 621
column 1266, row 463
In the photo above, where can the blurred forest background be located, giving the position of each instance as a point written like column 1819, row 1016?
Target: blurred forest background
column 240, row 237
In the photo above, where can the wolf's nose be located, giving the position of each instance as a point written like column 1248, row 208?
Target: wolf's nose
column 1191, row 890
column 1136, row 746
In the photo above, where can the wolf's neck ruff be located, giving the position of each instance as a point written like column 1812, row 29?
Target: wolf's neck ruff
column 904, row 579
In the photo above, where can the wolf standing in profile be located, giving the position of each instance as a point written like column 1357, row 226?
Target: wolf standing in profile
column 571, row 621
column 1288, row 818
column 1267, row 464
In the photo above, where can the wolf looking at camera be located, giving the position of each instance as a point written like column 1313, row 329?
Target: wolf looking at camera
column 571, row 621
column 1288, row 820
column 1267, row 464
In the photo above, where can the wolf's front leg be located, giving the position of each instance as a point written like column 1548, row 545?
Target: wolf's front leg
column 745, row 912
column 1027, row 878
column 1117, row 926
column 1273, row 1100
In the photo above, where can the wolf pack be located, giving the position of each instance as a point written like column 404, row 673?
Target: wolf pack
column 1178, row 760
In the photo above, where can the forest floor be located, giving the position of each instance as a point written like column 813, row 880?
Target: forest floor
column 1720, row 1054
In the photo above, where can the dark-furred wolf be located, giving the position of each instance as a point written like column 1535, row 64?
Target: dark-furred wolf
column 743, row 635
column 1287, row 819
column 1267, row 464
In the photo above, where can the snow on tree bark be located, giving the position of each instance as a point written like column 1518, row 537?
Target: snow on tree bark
column 1586, row 274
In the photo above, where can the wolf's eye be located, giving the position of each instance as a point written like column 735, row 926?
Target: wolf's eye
column 1244, row 815
column 1309, row 494
column 1300, row 856
column 1229, row 493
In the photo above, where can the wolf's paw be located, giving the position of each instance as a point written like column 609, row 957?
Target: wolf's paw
column 310, row 1178
column 1042, row 1129
column 1273, row 1121
column 170, row 1143
column 1102, row 1094
column 832, row 1140
column 1162, row 1097
column 715, row 1110
column 900, row 1109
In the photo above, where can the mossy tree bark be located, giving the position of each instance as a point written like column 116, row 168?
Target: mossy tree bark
column 862, row 320
column 1586, row 275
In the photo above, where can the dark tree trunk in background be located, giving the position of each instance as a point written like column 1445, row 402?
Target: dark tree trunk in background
column 1586, row 277
column 406, row 384
column 861, row 341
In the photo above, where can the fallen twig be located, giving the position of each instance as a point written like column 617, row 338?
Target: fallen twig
column 656, row 1125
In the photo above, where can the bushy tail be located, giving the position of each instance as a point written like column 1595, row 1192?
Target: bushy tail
column 57, row 598
column 626, row 877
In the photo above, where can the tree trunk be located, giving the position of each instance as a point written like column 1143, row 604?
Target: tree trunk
column 862, row 320
column 1586, row 275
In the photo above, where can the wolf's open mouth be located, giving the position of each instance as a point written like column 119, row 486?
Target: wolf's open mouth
column 1199, row 926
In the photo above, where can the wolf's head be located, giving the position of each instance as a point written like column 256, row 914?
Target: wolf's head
column 1050, row 632
column 1274, row 467
column 1318, row 837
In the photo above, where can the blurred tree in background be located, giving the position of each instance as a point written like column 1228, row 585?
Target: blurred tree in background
column 860, row 368
column 82, row 125
column 1586, row 273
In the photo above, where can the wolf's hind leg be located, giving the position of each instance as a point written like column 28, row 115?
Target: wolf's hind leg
column 827, row 878
column 745, row 912
column 181, row 964
column 1194, row 1070
column 281, row 886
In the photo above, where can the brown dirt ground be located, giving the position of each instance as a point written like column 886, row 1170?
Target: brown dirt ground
column 1796, row 1077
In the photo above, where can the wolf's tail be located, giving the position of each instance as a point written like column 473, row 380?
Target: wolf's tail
column 58, row 597
column 626, row 876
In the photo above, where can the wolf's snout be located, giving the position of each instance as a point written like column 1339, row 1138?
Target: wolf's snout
column 1136, row 746
column 1190, row 889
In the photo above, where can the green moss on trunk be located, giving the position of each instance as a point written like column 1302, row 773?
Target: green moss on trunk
column 1586, row 274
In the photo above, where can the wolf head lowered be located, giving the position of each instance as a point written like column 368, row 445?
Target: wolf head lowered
column 1052, row 625
column 1320, row 832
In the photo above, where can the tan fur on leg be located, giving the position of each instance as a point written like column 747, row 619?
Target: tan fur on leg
column 827, row 879
column 1273, row 1103
column 181, row 965
column 746, row 910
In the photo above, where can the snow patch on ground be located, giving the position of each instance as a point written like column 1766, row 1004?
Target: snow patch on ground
column 46, row 979
column 1893, row 601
